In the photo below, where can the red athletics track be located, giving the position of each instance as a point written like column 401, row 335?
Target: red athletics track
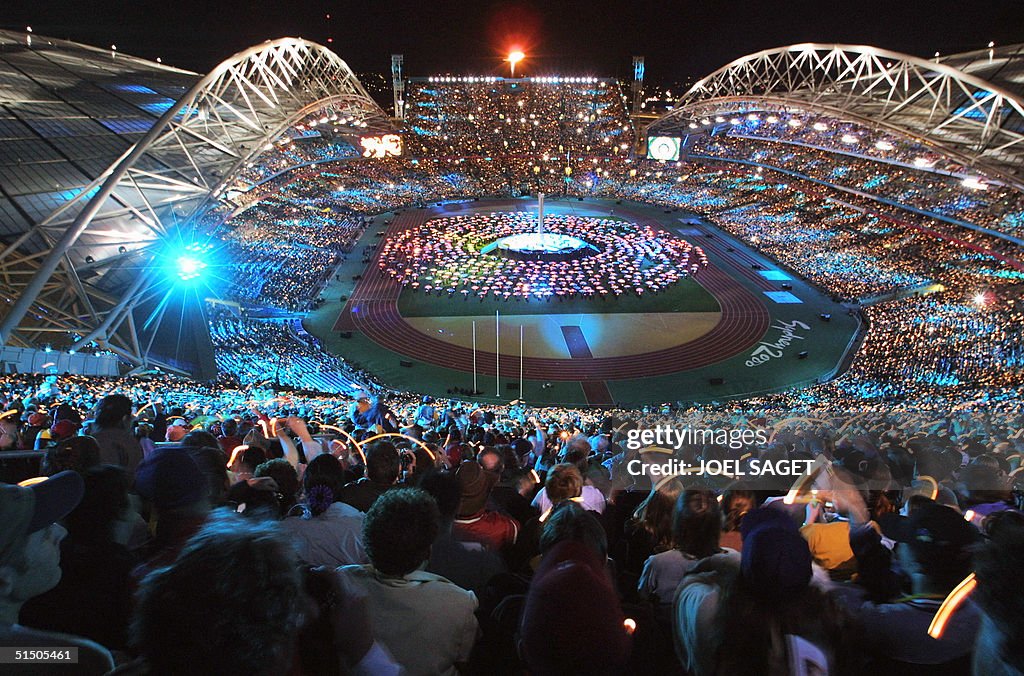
column 744, row 320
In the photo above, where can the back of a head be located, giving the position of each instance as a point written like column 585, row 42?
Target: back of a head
column 655, row 513
column 74, row 453
column 112, row 410
column 569, row 521
column 564, row 482
column 172, row 480
column 578, row 453
column 253, row 457
column 382, row 463
column 198, row 439
column 212, row 463
column 229, row 427
column 572, row 621
column 697, row 523
column 104, row 502
column 444, row 488
column 399, row 529
column 234, row 578
column 776, row 561
column 284, row 475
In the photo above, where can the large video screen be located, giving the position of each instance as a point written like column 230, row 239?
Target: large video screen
column 663, row 148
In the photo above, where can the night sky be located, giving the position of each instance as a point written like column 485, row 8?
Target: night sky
column 679, row 39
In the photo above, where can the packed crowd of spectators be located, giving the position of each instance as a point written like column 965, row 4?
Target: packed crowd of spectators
column 282, row 251
column 251, row 351
column 253, row 527
column 449, row 256
column 493, row 118
column 906, row 174
column 233, row 534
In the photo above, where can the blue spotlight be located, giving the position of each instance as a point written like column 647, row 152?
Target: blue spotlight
column 191, row 265
column 190, row 268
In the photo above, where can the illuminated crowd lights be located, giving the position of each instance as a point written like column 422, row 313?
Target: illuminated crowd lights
column 552, row 79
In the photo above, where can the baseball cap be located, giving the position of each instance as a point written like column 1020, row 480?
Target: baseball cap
column 35, row 504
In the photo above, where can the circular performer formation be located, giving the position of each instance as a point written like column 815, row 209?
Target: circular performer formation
column 502, row 256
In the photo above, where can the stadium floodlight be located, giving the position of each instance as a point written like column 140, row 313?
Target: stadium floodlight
column 884, row 145
column 189, row 268
column 514, row 57
column 849, row 139
column 974, row 183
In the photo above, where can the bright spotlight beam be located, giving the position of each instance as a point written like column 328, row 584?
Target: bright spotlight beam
column 189, row 268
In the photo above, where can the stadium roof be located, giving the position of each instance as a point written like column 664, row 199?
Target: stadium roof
column 969, row 106
column 103, row 156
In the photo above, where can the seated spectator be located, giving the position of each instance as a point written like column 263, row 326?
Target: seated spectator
column 76, row 453
column 696, row 532
column 467, row 564
column 30, row 566
column 94, row 596
column 563, row 483
column 405, row 601
column 229, row 438
column 592, row 498
column 326, row 532
column 382, row 470
column 233, row 603
column 244, row 463
column 572, row 622
column 473, row 522
column 176, row 431
column 649, row 530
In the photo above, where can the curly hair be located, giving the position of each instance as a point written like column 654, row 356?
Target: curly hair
column 231, row 602
column 399, row 529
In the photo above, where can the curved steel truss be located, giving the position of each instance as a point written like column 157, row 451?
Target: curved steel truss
column 163, row 183
column 979, row 123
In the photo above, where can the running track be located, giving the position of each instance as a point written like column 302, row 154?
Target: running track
column 743, row 321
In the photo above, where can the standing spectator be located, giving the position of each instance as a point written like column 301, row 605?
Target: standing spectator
column 112, row 430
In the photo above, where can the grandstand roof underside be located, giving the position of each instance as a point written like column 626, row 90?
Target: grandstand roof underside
column 967, row 105
column 103, row 154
